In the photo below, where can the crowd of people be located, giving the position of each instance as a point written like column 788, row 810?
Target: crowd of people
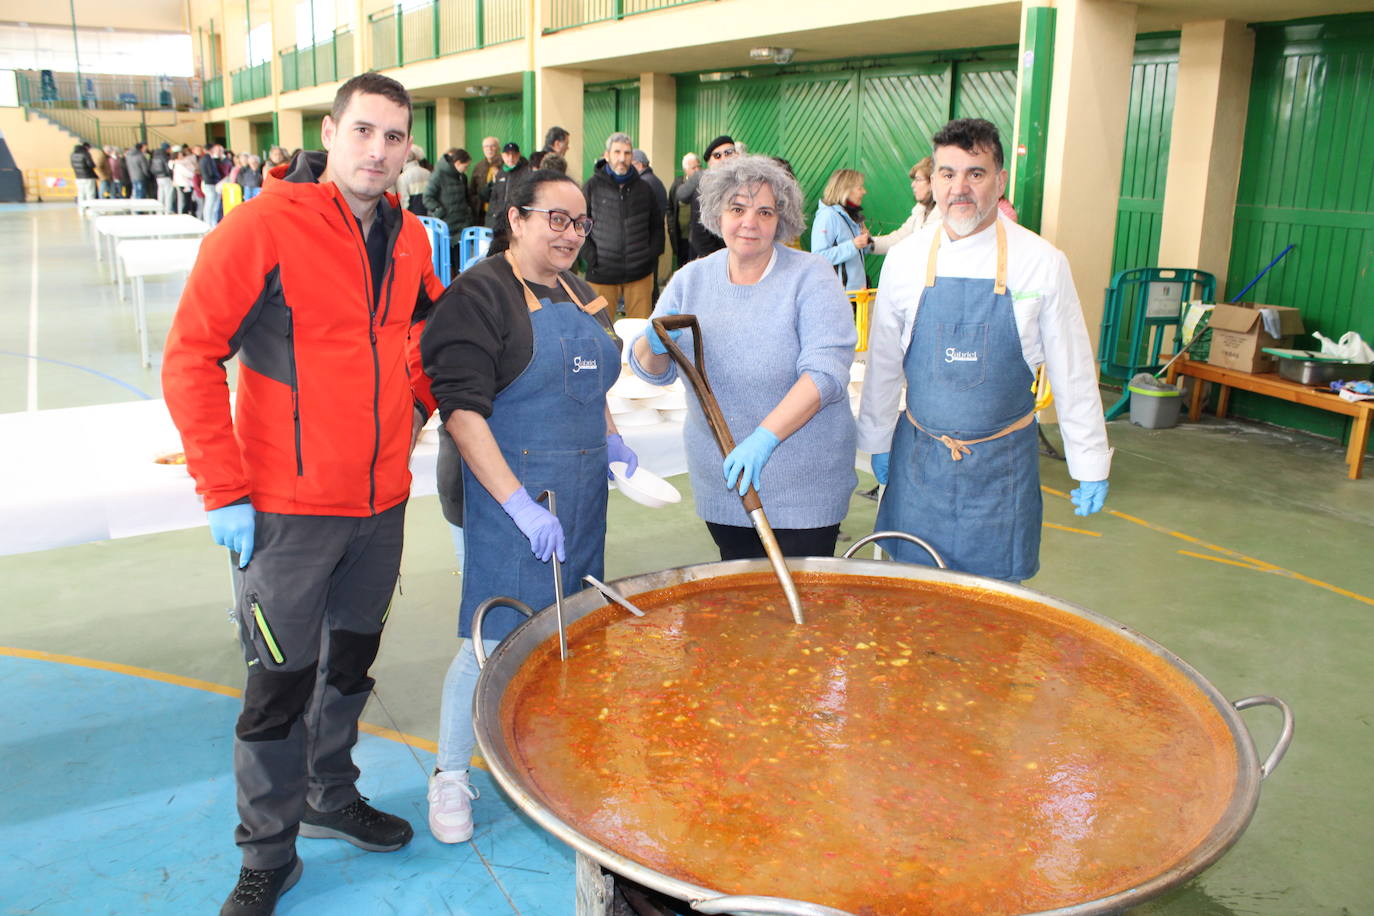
column 344, row 358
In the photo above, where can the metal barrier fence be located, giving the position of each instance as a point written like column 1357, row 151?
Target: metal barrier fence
column 214, row 92
column 402, row 36
column 325, row 62
column 253, row 82
column 52, row 89
column 565, row 14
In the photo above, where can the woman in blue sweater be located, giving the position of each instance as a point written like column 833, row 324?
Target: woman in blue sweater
column 778, row 336
column 838, row 233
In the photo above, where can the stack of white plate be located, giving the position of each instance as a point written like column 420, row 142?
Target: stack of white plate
column 627, row 329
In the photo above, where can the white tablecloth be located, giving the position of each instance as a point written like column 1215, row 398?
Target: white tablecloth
column 87, row 473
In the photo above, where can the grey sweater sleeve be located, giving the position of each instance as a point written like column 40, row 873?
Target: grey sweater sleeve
column 825, row 327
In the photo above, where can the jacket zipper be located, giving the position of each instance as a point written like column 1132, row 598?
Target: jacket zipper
column 376, row 360
column 268, row 638
column 295, row 390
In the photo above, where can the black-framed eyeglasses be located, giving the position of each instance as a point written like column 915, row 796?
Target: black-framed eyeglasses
column 560, row 220
column 723, row 153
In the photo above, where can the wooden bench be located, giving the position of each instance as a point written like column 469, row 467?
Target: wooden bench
column 1270, row 385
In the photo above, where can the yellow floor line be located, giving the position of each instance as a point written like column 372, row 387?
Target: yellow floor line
column 1204, row 556
column 1237, row 558
column 1091, row 534
column 389, row 734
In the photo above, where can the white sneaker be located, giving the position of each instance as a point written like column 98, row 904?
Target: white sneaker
column 450, row 806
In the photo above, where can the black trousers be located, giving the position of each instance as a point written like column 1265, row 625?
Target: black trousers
column 738, row 543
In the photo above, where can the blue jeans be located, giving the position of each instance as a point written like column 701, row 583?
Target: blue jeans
column 109, row 189
column 457, row 740
column 140, row 190
column 211, row 211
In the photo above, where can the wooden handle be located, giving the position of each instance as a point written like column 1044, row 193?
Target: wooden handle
column 696, row 374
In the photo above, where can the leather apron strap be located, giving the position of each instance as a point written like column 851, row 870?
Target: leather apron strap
column 532, row 303
column 1001, row 285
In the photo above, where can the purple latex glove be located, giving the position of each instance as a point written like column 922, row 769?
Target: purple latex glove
column 617, row 450
column 540, row 526
column 233, row 527
column 1089, row 496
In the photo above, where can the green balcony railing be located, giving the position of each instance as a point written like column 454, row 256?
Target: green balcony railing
column 214, row 92
column 325, row 62
column 253, row 82
column 565, row 14
column 402, row 36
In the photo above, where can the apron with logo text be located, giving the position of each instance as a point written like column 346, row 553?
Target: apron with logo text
column 964, row 468
column 550, row 423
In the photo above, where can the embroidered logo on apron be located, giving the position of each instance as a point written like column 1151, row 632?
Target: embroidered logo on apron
column 960, row 356
column 580, row 363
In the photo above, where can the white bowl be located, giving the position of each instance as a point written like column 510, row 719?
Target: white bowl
column 618, row 405
column 639, row 416
column 645, row 487
column 634, row 388
column 668, row 400
column 674, row 414
column 627, row 329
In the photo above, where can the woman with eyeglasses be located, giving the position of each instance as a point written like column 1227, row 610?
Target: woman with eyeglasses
column 521, row 354
column 838, row 233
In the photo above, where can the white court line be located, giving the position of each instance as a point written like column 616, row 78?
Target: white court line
column 33, row 322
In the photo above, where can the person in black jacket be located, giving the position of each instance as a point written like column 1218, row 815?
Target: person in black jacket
column 513, row 167
column 83, row 167
column 718, row 152
column 447, row 196
column 161, row 167
column 555, row 141
column 627, row 230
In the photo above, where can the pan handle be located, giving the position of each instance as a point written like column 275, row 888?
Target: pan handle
column 1285, row 736
column 901, row 535
column 696, row 375
column 747, row 905
column 479, row 617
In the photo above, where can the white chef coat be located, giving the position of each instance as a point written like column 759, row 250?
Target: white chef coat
column 1048, row 319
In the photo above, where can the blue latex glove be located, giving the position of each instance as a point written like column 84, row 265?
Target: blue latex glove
column 540, row 526
column 879, row 464
column 233, row 527
column 1089, row 496
column 747, row 459
column 656, row 343
column 617, row 450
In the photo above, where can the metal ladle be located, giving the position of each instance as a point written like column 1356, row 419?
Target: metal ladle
column 696, row 374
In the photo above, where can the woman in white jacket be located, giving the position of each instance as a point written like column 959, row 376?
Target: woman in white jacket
column 925, row 213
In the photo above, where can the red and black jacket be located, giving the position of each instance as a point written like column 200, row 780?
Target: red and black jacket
column 329, row 379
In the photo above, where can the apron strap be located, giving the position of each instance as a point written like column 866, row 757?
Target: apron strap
column 1001, row 286
column 532, row 303
column 958, row 448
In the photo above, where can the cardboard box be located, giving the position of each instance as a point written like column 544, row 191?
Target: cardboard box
column 1239, row 338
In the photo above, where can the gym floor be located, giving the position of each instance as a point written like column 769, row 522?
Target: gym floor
column 1242, row 548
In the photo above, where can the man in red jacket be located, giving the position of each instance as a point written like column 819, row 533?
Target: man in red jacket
column 315, row 286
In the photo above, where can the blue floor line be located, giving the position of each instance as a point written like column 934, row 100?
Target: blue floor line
column 60, row 362
column 120, row 799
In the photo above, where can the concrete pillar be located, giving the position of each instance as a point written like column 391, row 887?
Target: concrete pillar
column 362, row 38
column 290, row 129
column 658, row 138
column 240, row 134
column 1094, row 44
column 558, row 101
column 1210, row 103
column 450, row 127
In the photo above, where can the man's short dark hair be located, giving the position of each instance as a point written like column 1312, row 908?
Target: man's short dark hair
column 375, row 84
column 457, row 154
column 971, row 135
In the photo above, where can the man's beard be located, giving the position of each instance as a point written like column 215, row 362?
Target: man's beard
column 963, row 226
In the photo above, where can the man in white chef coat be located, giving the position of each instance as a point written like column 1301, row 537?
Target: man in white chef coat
column 966, row 312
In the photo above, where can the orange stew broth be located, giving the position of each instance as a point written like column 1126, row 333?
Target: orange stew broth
column 912, row 749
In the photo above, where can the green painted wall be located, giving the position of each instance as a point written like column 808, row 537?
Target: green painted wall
column 605, row 110
column 876, row 116
column 1307, row 178
column 310, row 131
column 496, row 116
column 1149, row 121
column 422, row 130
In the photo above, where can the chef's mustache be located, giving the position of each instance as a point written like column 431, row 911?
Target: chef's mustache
column 962, row 200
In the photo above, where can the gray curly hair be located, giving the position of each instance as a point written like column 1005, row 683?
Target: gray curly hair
column 719, row 186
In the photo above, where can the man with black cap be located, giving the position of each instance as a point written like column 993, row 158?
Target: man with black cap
column 704, row 241
column 513, row 167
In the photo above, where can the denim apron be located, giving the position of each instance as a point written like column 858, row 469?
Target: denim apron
column 965, row 467
column 550, row 424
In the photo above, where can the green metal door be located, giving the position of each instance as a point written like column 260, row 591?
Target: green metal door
column 310, row 131
column 607, row 109
column 498, row 116
column 1307, row 178
column 986, row 88
column 422, row 130
column 1149, row 122
column 900, row 111
column 263, row 136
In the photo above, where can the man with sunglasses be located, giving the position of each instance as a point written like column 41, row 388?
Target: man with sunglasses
column 623, row 249
column 718, row 152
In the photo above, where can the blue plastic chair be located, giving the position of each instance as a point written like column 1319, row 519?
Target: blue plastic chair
column 472, row 246
column 439, row 247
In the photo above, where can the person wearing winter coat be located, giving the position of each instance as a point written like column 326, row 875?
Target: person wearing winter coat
column 627, row 230
column 447, row 196
column 83, row 167
column 139, row 170
column 101, row 160
column 160, row 165
column 513, row 167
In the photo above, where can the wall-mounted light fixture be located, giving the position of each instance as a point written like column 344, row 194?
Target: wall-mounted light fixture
column 478, row 90
column 776, row 55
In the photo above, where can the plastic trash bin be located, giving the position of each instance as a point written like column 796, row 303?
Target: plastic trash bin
column 1154, row 404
